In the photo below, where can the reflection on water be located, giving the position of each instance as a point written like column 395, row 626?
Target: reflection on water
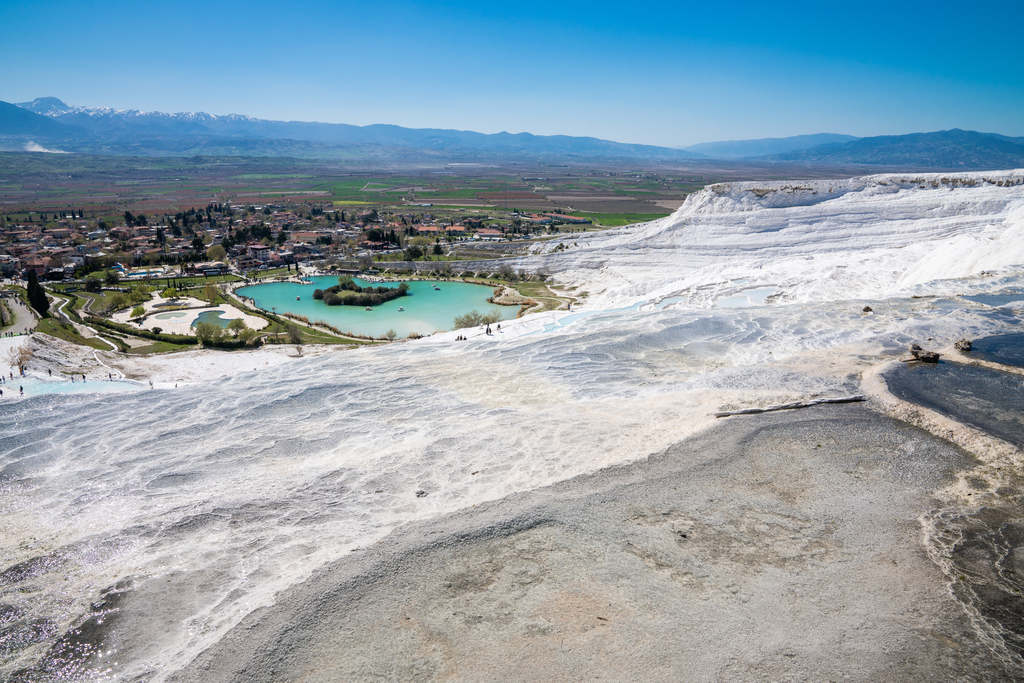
column 1007, row 349
column 989, row 400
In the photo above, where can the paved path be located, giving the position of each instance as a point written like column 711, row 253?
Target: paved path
column 24, row 319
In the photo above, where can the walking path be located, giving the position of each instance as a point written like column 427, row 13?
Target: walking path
column 24, row 318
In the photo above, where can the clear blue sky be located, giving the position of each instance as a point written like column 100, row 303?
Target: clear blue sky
column 666, row 73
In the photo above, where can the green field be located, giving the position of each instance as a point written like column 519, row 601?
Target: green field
column 614, row 220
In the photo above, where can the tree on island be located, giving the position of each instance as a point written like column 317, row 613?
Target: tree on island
column 348, row 293
column 37, row 296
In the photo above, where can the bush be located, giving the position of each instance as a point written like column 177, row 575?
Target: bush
column 318, row 294
column 138, row 312
column 208, row 332
column 472, row 319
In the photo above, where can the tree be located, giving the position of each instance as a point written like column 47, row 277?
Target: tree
column 236, row 325
column 37, row 296
column 471, row 319
column 391, row 334
column 138, row 312
column 216, row 253
column 210, row 293
column 294, row 334
column 112, row 277
column 437, row 250
column 248, row 335
column 118, row 302
column 19, row 356
column 208, row 333
column 93, row 284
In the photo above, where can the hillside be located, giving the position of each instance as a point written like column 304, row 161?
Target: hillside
column 870, row 237
column 17, row 121
column 737, row 149
column 955, row 148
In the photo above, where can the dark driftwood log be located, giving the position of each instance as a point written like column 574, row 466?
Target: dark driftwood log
column 790, row 406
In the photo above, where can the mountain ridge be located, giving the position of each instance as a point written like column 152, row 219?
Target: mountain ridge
column 746, row 149
column 103, row 130
column 118, row 125
column 954, row 148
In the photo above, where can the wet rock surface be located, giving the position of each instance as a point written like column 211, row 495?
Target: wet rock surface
column 1007, row 349
column 986, row 399
column 778, row 546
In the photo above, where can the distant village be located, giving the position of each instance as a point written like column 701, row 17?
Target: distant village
column 219, row 238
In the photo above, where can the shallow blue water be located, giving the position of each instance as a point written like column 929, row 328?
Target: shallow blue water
column 32, row 386
column 426, row 310
column 210, row 317
column 1007, row 349
column 989, row 400
column 996, row 300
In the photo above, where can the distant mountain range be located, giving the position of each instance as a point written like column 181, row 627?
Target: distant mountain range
column 48, row 122
column 136, row 132
column 748, row 149
column 955, row 148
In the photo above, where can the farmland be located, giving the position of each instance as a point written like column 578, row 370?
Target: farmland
column 99, row 187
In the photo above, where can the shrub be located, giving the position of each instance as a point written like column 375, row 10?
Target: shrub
column 471, row 319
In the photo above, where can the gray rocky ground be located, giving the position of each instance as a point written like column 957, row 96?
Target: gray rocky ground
column 775, row 547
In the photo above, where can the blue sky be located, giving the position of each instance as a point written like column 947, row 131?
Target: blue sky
column 672, row 73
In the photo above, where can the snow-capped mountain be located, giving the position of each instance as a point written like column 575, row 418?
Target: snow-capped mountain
column 185, row 131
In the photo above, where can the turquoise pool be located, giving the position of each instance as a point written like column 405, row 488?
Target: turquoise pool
column 211, row 317
column 426, row 309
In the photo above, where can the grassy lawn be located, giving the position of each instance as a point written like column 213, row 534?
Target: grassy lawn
column 158, row 347
column 68, row 333
column 543, row 294
column 614, row 220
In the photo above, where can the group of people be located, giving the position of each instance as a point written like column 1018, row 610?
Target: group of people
column 3, row 380
column 487, row 330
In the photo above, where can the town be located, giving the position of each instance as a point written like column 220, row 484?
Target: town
column 245, row 239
